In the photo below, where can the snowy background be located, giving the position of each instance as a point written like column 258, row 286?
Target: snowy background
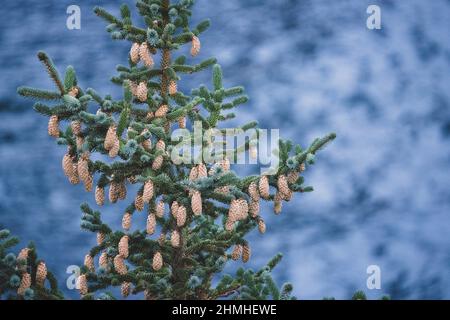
column 382, row 193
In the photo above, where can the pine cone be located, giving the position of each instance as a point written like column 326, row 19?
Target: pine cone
column 229, row 224
column 75, row 179
column 151, row 224
column 76, row 127
column 157, row 163
column 142, row 91
column 53, row 126
column 173, row 87
column 99, row 195
column 139, row 202
column 111, row 137
column 243, row 209
column 150, row 116
column 261, row 226
column 202, row 171
column 122, row 190
column 193, row 174
column 126, row 221
column 119, row 265
column 246, row 253
column 233, row 211
column 196, row 203
column 147, row 194
column 181, row 216
column 25, row 283
column 157, row 261
column 160, row 209
column 89, row 183
column 237, row 252
column 100, row 238
column 134, row 52
column 145, row 55
column 103, row 260
column 254, row 208
column 41, row 273
column 196, row 46
column 82, row 285
column 253, row 191
column 162, row 111
column 89, row 262
column 123, row 247
column 161, row 145
column 114, row 151
column 283, row 186
column 113, row 192
column 67, row 165
column 264, row 187
column 125, row 289
column 161, row 239
column 277, row 204
column 23, row 254
column 292, row 177
column 83, row 167
column 182, row 122
column 133, row 87
column 175, row 239
column 174, row 209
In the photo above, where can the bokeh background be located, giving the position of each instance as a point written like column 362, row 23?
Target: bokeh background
column 382, row 192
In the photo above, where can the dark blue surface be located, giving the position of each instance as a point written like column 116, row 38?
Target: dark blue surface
column 381, row 190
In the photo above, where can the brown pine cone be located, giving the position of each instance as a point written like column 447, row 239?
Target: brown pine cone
column 23, row 254
column 157, row 261
column 145, row 55
column 253, row 191
column 193, row 174
column 89, row 183
column 83, row 167
column 125, row 289
column 147, row 194
column 157, row 163
column 123, row 247
column 25, row 283
column 126, row 221
column 41, row 273
column 277, row 204
column 134, row 52
column 243, row 209
column 82, row 284
column 99, row 195
column 139, row 202
column 237, row 252
column 246, row 253
column 202, row 171
column 264, row 187
column 114, row 151
column 196, row 203
column 234, row 210
column 174, row 209
column 111, row 137
column 76, row 127
column 173, row 87
column 161, row 145
column 161, row 111
column 122, row 190
column 89, row 262
column 147, row 145
column 142, row 91
column 67, row 165
column 160, row 209
column 181, row 216
column 283, row 186
column 151, row 224
column 119, row 265
column 254, row 208
column 292, row 177
column 196, row 46
column 175, row 239
column 229, row 224
column 100, row 238
column 113, row 191
column 103, row 260
column 53, row 126
column 261, row 226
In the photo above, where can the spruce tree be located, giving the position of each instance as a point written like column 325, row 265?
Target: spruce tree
column 197, row 214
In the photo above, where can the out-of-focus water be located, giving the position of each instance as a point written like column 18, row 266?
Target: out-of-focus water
column 381, row 190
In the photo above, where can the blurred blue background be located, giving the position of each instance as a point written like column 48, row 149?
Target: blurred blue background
column 382, row 192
